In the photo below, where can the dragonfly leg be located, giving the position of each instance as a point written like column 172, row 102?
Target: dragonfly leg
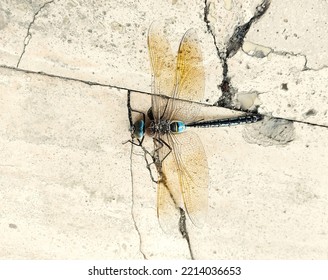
column 156, row 159
column 146, row 152
column 162, row 143
column 139, row 144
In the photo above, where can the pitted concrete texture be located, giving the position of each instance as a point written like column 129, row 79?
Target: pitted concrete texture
column 72, row 187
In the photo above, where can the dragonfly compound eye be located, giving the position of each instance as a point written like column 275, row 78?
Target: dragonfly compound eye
column 138, row 129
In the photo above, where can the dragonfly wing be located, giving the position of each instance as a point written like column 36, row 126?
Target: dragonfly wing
column 163, row 65
column 169, row 196
column 190, row 79
column 185, row 177
column 190, row 69
column 167, row 209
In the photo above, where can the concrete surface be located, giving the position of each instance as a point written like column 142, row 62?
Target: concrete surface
column 69, row 188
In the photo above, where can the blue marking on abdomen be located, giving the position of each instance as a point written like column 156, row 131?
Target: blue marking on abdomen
column 177, row 127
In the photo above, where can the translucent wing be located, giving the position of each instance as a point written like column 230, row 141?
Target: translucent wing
column 184, row 80
column 185, row 178
column 184, row 170
column 167, row 207
column 190, row 80
column 163, row 66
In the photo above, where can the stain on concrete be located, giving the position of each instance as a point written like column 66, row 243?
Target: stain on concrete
column 270, row 132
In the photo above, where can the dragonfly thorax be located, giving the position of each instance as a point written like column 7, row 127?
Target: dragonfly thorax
column 159, row 127
column 165, row 126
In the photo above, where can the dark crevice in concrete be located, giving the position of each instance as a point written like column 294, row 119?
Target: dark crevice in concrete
column 221, row 54
column 240, row 32
column 233, row 45
column 184, row 232
column 28, row 36
column 210, row 30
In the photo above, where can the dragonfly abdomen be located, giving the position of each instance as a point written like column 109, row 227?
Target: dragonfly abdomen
column 228, row 122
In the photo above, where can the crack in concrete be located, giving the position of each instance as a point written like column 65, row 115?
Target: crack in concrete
column 131, row 170
column 28, row 36
column 285, row 53
column 302, row 122
column 237, row 39
column 132, row 208
column 90, row 83
column 234, row 44
column 316, row 69
column 221, row 55
column 184, row 232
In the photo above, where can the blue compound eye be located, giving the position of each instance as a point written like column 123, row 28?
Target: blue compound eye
column 139, row 129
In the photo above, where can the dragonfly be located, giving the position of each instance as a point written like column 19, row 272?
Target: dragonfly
column 178, row 154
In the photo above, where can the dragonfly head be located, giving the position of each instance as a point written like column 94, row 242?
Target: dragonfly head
column 138, row 129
